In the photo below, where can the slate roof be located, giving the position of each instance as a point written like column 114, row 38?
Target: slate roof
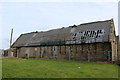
column 64, row 35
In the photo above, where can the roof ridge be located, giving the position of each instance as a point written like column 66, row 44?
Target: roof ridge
column 96, row 22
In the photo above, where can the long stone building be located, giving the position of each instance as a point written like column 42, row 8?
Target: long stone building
column 94, row 41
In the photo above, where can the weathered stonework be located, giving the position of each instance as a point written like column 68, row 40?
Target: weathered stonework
column 83, row 52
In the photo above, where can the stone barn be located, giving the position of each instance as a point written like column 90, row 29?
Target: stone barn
column 94, row 41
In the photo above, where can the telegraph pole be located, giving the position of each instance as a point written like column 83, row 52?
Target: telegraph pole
column 10, row 54
column 11, row 37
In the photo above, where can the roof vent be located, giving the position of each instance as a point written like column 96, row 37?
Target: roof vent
column 73, row 26
column 36, row 31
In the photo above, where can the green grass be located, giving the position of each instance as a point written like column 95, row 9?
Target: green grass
column 39, row 68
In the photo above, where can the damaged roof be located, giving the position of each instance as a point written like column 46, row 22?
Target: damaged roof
column 84, row 33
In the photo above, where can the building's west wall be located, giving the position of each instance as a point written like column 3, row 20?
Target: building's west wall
column 83, row 52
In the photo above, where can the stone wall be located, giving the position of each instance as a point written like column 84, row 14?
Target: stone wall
column 83, row 52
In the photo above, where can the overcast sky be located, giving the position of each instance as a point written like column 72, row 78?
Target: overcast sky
column 26, row 17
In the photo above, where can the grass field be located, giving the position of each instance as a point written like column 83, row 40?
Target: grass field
column 39, row 68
